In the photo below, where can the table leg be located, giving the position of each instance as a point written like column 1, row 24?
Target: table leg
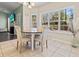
column 32, row 42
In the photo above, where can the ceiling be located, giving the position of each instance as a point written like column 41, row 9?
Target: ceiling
column 7, row 7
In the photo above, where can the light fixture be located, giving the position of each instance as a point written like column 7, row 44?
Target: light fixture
column 32, row 3
column 29, row 4
column 25, row 3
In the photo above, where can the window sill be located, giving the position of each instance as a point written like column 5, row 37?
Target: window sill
column 61, row 32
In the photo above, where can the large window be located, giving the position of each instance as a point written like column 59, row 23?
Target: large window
column 45, row 20
column 63, row 20
column 54, row 21
column 58, row 20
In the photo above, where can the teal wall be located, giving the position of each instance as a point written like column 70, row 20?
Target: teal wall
column 3, row 21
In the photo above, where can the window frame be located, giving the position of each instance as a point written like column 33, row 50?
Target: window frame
column 59, row 25
column 33, row 13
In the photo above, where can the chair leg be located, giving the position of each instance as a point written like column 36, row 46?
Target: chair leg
column 26, row 43
column 17, row 44
column 20, row 48
column 34, row 44
column 46, row 44
column 41, row 44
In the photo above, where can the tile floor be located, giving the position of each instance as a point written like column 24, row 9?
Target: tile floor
column 55, row 49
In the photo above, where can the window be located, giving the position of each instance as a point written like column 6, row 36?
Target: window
column 34, row 21
column 45, row 20
column 63, row 20
column 54, row 21
column 58, row 20
column 69, row 13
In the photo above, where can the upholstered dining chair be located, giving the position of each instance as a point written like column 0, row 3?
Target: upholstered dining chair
column 75, row 42
column 43, row 39
column 20, row 40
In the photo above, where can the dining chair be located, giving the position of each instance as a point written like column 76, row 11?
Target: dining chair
column 1, row 50
column 42, row 39
column 20, row 40
column 75, row 42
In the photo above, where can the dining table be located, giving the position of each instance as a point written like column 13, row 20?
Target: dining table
column 33, row 33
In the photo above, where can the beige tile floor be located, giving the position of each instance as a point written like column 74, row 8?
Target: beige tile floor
column 55, row 49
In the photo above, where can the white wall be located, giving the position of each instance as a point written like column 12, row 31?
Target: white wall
column 26, row 19
column 3, row 22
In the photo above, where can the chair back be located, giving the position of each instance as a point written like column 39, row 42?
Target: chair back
column 45, row 33
column 18, row 32
column 77, row 34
